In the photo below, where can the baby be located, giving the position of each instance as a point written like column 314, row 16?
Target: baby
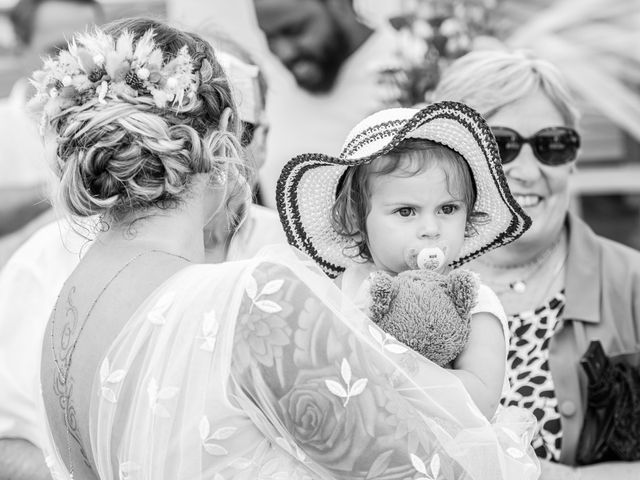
column 412, row 188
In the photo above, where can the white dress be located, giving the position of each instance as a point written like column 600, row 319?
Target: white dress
column 262, row 370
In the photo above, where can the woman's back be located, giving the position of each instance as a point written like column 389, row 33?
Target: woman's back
column 150, row 382
column 94, row 305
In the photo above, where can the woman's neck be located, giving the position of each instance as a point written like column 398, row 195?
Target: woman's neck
column 173, row 230
column 519, row 255
column 525, row 278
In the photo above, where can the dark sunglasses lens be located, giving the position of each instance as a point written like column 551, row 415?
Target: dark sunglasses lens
column 508, row 144
column 556, row 146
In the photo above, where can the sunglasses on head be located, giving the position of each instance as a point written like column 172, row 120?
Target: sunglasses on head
column 551, row 146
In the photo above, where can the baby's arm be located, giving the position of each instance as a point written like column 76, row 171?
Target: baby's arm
column 481, row 365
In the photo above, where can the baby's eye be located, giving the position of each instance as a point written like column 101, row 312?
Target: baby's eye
column 405, row 211
column 449, row 209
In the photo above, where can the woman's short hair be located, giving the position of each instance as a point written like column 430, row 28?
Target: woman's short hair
column 487, row 80
column 409, row 157
column 126, row 154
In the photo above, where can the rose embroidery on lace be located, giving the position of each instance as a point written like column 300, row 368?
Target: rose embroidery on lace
column 322, row 426
column 263, row 329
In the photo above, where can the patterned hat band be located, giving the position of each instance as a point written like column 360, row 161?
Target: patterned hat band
column 307, row 187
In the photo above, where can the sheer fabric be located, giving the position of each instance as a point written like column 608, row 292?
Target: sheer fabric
column 264, row 370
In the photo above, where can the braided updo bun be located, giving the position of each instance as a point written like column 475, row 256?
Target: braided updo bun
column 131, row 137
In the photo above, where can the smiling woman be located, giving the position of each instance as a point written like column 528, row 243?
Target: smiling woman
column 560, row 284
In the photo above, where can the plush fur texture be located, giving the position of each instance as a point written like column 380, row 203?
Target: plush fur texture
column 427, row 311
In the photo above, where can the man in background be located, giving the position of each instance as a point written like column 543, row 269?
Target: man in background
column 322, row 63
column 326, row 81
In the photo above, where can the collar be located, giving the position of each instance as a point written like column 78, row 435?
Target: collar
column 584, row 265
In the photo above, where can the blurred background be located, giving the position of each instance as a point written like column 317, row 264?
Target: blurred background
column 596, row 43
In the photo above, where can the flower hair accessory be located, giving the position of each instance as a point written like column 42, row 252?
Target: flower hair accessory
column 99, row 66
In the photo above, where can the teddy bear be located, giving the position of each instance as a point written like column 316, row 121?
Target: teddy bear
column 426, row 310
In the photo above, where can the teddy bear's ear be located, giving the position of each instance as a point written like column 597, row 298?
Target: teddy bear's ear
column 462, row 287
column 382, row 290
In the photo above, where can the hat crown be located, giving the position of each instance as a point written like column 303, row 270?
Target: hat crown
column 377, row 126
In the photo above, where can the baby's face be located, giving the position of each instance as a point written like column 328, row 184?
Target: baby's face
column 411, row 213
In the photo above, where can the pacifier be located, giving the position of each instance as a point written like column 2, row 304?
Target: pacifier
column 430, row 258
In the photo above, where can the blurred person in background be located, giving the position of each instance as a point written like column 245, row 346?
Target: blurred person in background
column 34, row 275
column 41, row 26
column 326, row 69
column 325, row 81
column 562, row 285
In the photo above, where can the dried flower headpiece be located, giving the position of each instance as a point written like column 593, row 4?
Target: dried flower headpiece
column 99, row 66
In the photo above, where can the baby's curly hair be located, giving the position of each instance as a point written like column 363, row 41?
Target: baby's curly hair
column 410, row 157
column 128, row 154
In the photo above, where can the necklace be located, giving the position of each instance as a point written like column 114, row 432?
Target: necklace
column 60, row 383
column 520, row 285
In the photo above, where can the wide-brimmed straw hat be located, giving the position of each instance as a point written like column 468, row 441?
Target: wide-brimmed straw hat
column 307, row 186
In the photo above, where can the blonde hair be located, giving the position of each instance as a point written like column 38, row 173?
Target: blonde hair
column 487, row 80
column 127, row 154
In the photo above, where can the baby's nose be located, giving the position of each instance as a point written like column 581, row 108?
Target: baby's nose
column 429, row 228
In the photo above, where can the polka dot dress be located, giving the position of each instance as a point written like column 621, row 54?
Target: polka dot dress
column 531, row 383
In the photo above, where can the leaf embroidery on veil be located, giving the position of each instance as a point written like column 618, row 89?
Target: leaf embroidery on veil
column 386, row 341
column 55, row 469
column 157, row 313
column 263, row 328
column 206, row 437
column 351, row 390
column 210, row 327
column 419, row 465
column 157, row 394
column 127, row 470
column 267, row 306
column 108, row 379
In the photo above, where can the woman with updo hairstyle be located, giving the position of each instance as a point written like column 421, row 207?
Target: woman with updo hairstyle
column 157, row 366
column 115, row 158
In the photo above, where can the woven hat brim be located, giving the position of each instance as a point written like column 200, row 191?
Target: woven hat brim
column 307, row 186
